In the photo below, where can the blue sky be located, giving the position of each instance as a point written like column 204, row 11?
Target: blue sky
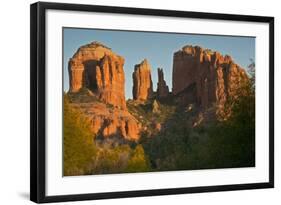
column 157, row 48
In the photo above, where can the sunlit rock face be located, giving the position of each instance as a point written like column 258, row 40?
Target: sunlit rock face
column 109, row 121
column 98, row 68
column 142, row 82
column 206, row 77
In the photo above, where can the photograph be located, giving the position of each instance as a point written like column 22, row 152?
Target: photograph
column 135, row 102
column 143, row 101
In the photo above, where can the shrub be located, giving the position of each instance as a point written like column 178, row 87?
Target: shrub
column 78, row 146
column 138, row 162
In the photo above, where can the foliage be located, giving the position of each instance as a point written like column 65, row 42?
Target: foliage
column 138, row 161
column 78, row 148
column 82, row 155
column 120, row 159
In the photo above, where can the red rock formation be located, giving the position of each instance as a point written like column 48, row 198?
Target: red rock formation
column 121, row 123
column 110, row 122
column 206, row 76
column 162, row 88
column 142, row 83
column 96, row 67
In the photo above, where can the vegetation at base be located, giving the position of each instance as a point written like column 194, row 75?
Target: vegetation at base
column 119, row 159
column 138, row 161
column 219, row 145
column 78, row 147
column 83, row 156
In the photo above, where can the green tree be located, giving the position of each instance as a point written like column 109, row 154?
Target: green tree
column 111, row 159
column 78, row 146
column 232, row 142
column 138, row 161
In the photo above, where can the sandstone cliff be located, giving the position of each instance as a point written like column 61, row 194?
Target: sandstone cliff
column 112, row 122
column 142, row 83
column 162, row 88
column 96, row 87
column 98, row 68
column 205, row 77
column 106, row 121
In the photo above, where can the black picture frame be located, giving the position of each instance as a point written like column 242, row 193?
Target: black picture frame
column 38, row 101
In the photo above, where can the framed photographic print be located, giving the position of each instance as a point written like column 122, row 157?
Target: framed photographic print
column 129, row 102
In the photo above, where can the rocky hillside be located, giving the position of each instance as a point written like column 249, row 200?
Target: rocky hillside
column 203, row 80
